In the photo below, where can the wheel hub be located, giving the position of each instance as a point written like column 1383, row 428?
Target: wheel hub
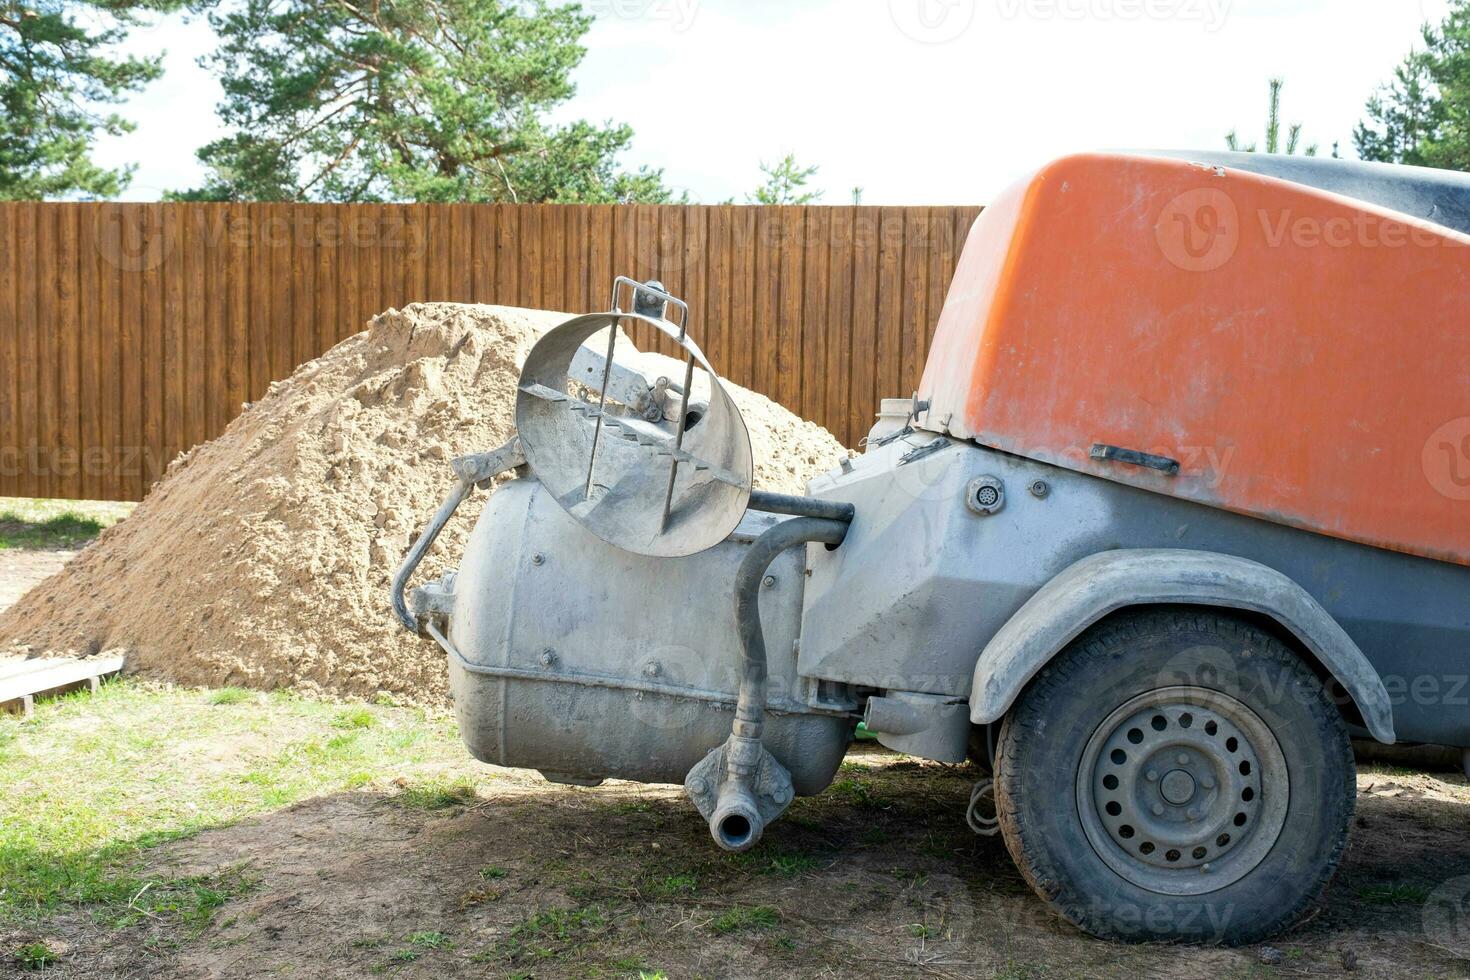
column 1177, row 787
column 1182, row 790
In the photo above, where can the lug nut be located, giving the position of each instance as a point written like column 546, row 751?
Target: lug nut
column 1152, row 775
column 1158, row 809
column 1183, row 759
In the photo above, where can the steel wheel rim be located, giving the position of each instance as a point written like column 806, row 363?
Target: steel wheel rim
column 1182, row 790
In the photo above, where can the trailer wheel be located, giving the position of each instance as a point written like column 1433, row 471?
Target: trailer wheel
column 1176, row 775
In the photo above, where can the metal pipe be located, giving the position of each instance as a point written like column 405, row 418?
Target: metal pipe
column 782, row 503
column 736, row 822
column 421, row 547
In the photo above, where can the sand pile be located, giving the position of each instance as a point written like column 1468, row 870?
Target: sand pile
column 263, row 558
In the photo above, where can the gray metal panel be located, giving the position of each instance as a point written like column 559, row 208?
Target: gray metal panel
column 1440, row 196
column 923, row 583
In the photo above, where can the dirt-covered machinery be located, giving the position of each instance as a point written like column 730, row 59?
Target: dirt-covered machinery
column 1177, row 510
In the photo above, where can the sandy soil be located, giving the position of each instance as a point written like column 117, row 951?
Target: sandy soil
column 878, row 877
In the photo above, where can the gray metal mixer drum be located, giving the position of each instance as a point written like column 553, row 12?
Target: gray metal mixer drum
column 663, row 487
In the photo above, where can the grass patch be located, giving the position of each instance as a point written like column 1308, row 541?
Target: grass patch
column 743, row 918
column 1396, row 894
column 677, row 884
column 551, row 934
column 359, row 717
column 35, row 956
column 791, row 865
column 229, row 695
column 437, row 795
column 859, row 793
column 27, row 522
column 175, row 764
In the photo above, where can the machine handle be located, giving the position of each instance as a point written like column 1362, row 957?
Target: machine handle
column 474, row 470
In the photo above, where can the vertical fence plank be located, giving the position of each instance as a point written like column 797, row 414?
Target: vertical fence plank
column 890, row 304
column 691, row 260
column 837, row 325
column 93, row 363
column 66, row 330
column 231, row 274
column 574, row 259
column 46, row 332
column 915, row 294
column 199, row 330
column 327, row 321
column 507, row 257
column 303, row 285
column 813, row 336
column 460, row 276
column 744, row 227
column 789, row 353
column 98, row 359
column 11, row 455
column 599, row 255
column 716, row 265
column 528, row 272
column 862, row 389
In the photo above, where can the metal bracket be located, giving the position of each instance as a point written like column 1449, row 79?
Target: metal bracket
column 770, row 789
column 1117, row 454
column 928, row 449
column 469, row 471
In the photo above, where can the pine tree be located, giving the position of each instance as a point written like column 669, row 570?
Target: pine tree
column 57, row 75
column 1273, row 129
column 785, row 183
column 1422, row 116
column 423, row 100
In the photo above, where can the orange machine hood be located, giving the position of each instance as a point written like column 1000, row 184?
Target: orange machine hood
column 1302, row 356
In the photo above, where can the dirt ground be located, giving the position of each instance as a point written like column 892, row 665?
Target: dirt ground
column 878, row 877
column 22, row 568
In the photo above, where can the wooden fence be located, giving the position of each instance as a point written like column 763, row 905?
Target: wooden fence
column 130, row 332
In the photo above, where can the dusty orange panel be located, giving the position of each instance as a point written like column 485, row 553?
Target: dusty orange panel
column 1302, row 355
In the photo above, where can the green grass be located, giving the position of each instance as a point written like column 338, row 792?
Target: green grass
column 686, row 883
column 230, row 695
column 438, row 795
column 172, row 762
column 742, row 917
column 27, row 522
column 35, row 956
column 549, row 934
column 1394, row 894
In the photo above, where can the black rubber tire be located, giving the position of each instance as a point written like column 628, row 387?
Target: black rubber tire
column 1041, row 747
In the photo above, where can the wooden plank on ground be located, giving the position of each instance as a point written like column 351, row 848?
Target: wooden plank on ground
column 22, row 681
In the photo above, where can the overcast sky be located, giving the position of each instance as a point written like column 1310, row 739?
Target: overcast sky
column 916, row 101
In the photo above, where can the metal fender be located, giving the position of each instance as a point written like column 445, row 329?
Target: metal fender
column 1105, row 582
